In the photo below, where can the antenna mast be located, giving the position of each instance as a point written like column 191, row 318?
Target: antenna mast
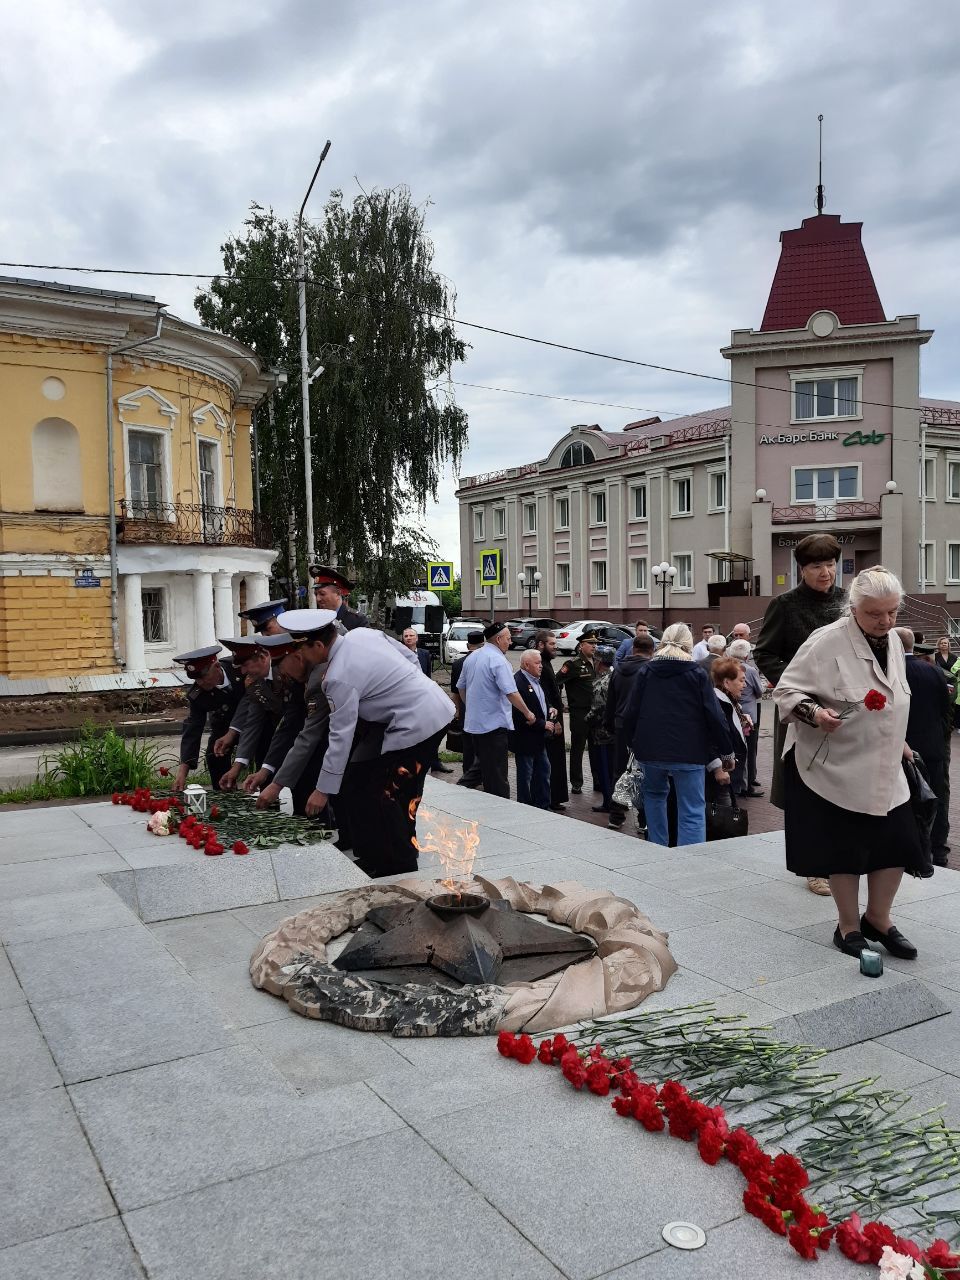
column 820, row 169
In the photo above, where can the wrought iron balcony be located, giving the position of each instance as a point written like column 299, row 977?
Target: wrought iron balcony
column 828, row 511
column 188, row 524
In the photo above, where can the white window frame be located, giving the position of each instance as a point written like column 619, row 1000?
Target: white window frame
column 682, row 555
column 529, row 526
column 499, row 522
column 479, row 590
column 928, row 564
column 823, row 375
column 558, row 499
column 166, row 464
column 948, row 576
column 824, row 466
column 479, row 524
column 635, row 491
column 927, row 492
column 953, row 470
column 713, row 474
column 595, row 566
column 563, row 590
column 677, row 478
column 635, row 574
column 598, row 496
column 217, row 470
column 164, row 618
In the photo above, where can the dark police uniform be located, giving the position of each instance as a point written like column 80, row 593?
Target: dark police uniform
column 211, row 709
column 260, row 615
column 576, row 676
column 325, row 575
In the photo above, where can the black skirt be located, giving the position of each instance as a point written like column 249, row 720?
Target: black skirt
column 824, row 840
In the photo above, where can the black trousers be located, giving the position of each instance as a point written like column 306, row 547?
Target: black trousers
column 753, row 741
column 939, row 770
column 557, row 755
column 471, row 768
column 579, row 738
column 379, row 800
column 492, row 758
column 217, row 766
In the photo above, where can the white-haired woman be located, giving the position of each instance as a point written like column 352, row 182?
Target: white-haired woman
column 845, row 699
column 750, row 705
column 675, row 726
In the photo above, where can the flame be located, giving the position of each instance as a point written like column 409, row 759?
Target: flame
column 454, row 841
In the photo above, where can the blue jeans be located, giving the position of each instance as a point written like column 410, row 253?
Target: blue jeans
column 688, row 780
column 533, row 780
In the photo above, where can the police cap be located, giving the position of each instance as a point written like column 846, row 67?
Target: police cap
column 198, row 660
column 260, row 614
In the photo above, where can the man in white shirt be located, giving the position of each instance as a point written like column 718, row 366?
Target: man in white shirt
column 488, row 689
column 701, row 649
column 386, row 722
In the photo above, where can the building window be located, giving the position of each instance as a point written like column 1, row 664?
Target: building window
column 928, row 479
column 478, row 526
column 717, row 481
column 683, row 563
column 638, row 502
column 577, row 455
column 598, row 507
column 562, row 512
column 499, row 522
column 563, row 579
column 834, row 397
column 953, row 561
column 928, row 564
column 146, row 471
column 681, row 490
column 826, row 484
column 530, row 517
column 598, row 575
column 638, row 573
column 153, row 603
column 479, row 589
column 953, row 481
column 207, row 459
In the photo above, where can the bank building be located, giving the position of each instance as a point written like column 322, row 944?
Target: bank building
column 826, row 430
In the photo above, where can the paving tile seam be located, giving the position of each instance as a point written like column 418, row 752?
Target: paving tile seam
column 150, row 1066
column 664, row 1249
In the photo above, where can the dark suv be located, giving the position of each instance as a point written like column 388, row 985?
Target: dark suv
column 522, row 630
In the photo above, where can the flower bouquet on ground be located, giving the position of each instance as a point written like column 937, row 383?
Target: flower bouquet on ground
column 874, row 701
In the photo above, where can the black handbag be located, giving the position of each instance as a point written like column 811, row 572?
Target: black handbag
column 455, row 739
column 924, row 802
column 726, row 820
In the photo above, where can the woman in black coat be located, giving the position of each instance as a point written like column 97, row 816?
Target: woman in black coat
column 729, row 681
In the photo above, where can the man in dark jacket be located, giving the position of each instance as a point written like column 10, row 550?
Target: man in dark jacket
column 528, row 741
column 618, row 696
column 576, row 676
column 471, row 770
column 332, row 590
column 214, row 698
column 545, row 644
column 676, row 729
column 928, row 733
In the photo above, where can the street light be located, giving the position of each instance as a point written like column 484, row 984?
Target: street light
column 663, row 576
column 305, row 370
column 528, row 585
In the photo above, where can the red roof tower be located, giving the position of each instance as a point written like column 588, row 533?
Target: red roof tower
column 822, row 267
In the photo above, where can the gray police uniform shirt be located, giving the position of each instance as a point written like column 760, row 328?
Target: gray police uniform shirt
column 312, row 735
column 371, row 676
column 260, row 705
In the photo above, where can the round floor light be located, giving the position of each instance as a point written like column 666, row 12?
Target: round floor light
column 684, row 1235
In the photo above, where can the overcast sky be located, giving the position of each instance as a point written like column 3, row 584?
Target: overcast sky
column 611, row 175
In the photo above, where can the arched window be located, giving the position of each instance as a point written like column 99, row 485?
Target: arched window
column 577, row 455
column 57, row 477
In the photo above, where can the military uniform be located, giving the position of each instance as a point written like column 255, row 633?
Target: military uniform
column 260, row 616
column 212, row 709
column 576, row 676
column 325, row 575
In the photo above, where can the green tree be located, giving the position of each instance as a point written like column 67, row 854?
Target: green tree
column 384, row 421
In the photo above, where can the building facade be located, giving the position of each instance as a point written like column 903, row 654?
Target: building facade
column 127, row 528
column 826, row 431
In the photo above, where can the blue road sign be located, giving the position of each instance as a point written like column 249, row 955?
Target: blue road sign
column 440, row 575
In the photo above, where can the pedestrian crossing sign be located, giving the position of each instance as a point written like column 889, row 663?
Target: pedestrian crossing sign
column 439, row 575
column 491, row 567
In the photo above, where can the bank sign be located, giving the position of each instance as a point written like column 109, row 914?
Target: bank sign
column 820, row 437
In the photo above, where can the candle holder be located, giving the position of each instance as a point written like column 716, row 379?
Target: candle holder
column 871, row 963
column 195, row 798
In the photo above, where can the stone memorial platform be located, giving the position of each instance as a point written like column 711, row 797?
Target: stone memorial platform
column 160, row 1116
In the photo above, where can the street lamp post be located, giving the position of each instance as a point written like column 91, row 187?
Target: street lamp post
column 663, row 576
column 528, row 585
column 305, row 378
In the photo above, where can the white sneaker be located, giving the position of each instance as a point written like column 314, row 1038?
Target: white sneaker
column 817, row 884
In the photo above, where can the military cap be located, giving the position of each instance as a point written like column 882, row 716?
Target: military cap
column 303, row 624
column 241, row 646
column 198, row 660
column 260, row 614
column 324, row 575
column 278, row 646
column 590, row 633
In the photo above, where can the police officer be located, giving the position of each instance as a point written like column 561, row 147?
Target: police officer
column 291, row 722
column 263, row 617
column 259, row 712
column 577, row 676
column 214, row 698
column 386, row 720
column 331, row 590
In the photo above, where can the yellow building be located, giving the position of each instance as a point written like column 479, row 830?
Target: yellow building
column 127, row 529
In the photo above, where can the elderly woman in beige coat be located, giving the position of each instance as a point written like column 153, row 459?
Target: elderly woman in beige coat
column 847, row 811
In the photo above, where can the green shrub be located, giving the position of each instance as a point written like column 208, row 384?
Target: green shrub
column 98, row 763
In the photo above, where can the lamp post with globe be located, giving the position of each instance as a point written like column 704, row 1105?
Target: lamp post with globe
column 529, row 584
column 663, row 576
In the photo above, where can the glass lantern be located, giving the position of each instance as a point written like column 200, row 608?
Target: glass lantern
column 195, row 797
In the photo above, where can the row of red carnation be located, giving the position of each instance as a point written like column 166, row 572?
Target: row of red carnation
column 200, row 836
column 775, row 1184
column 190, row 828
column 143, row 801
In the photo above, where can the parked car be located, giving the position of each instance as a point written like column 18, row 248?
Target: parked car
column 455, row 641
column 522, row 630
column 612, row 633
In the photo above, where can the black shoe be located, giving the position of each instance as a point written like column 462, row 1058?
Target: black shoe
column 850, row 944
column 576, row 791
column 754, row 790
column 893, row 940
column 441, row 768
column 600, row 808
column 939, row 859
column 599, row 790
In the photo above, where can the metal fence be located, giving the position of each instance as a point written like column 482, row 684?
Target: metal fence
column 191, row 523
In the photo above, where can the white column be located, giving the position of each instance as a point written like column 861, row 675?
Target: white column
column 134, row 655
column 258, row 589
column 204, row 629
column 226, row 624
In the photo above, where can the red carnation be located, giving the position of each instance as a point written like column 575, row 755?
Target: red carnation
column 506, row 1041
column 876, row 1235
column 212, row 850
column 710, row 1144
column 801, row 1239
column 524, row 1050
column 573, row 1070
column 939, row 1255
column 545, row 1053
column 598, row 1081
column 622, row 1105
column 649, row 1114
column 215, row 811
column 789, row 1172
column 163, row 771
column 754, row 1201
column 239, row 847
column 875, row 700
column 115, row 798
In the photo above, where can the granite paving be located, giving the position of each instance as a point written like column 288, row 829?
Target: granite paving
column 207, row 1130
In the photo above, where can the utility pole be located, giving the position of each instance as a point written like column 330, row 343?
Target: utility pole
column 305, row 360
